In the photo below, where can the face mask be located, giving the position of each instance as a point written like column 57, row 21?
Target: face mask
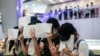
column 54, row 32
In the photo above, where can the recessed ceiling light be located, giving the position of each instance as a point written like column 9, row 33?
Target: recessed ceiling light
column 61, row 0
column 51, row 1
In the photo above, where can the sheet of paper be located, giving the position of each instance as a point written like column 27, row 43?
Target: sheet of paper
column 62, row 46
column 23, row 21
column 31, row 49
column 69, row 44
column 26, row 31
column 42, row 29
column 12, row 34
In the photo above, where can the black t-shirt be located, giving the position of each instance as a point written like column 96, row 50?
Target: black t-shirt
column 46, row 51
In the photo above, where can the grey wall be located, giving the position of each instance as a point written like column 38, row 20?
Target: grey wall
column 9, row 15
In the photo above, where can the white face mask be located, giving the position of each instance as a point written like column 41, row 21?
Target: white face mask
column 54, row 32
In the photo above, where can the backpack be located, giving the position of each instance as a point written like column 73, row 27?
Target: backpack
column 90, row 51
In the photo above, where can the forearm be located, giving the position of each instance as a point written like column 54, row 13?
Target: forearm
column 55, row 54
column 37, row 47
column 69, row 54
column 49, row 41
column 4, row 45
column 25, row 51
column 16, row 47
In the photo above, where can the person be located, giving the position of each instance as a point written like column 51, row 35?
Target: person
column 56, row 12
column 87, row 11
column 79, row 12
column 43, row 48
column 60, row 14
column 75, row 12
column 50, row 14
column 7, row 50
column 65, row 13
column 92, row 10
column 66, row 30
column 25, row 42
column 71, row 12
column 24, row 46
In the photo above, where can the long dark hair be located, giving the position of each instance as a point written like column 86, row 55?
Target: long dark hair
column 66, row 30
column 54, row 22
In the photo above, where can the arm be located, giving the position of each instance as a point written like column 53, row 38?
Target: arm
column 53, row 50
column 67, row 52
column 83, row 49
column 15, row 45
column 4, row 44
column 38, row 49
column 16, row 51
column 49, row 36
column 52, row 47
column 24, row 49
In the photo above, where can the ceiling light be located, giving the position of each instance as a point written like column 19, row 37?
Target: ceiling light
column 39, row 0
column 51, row 1
column 61, row 0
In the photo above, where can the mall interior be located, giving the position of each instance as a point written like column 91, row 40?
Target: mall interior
column 84, row 15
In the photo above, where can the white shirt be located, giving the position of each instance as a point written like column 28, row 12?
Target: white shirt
column 87, row 10
column 31, row 48
column 92, row 7
column 83, row 49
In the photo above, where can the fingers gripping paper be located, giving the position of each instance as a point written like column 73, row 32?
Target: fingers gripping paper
column 26, row 31
column 42, row 29
column 12, row 34
column 67, row 44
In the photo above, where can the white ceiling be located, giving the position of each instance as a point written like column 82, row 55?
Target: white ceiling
column 48, row 2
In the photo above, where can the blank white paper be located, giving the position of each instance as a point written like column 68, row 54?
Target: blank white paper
column 42, row 29
column 26, row 31
column 12, row 34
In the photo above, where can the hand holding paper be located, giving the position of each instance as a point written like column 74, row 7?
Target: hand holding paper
column 42, row 29
column 62, row 46
column 32, row 33
column 26, row 31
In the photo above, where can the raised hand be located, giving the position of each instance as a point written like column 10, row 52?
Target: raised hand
column 49, row 35
column 32, row 33
column 15, row 41
column 6, row 38
column 53, row 49
column 21, row 37
column 21, row 29
column 66, row 50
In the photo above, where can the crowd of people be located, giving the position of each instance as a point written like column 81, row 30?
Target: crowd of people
column 51, row 45
column 75, row 12
column 47, row 46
